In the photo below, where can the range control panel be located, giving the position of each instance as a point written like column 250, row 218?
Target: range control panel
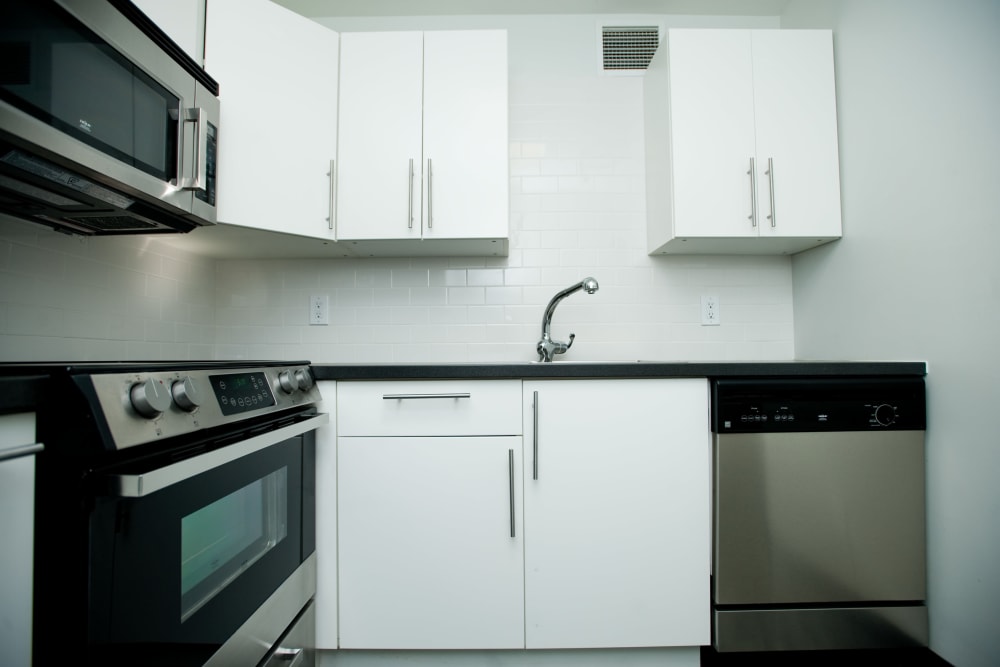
column 144, row 406
column 818, row 404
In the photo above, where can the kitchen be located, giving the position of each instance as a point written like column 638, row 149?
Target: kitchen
column 915, row 83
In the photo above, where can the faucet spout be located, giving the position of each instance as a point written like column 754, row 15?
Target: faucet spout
column 548, row 348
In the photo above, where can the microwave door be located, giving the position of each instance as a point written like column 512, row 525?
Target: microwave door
column 200, row 136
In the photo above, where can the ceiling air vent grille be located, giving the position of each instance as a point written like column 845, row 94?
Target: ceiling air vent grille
column 629, row 48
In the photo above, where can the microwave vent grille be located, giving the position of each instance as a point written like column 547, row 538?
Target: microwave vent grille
column 111, row 223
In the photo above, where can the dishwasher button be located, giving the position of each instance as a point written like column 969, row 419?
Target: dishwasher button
column 885, row 415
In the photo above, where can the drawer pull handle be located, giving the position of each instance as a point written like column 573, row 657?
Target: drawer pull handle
column 404, row 397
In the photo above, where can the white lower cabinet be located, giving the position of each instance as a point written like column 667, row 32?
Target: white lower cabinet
column 326, row 520
column 430, row 553
column 616, row 510
column 448, row 539
column 430, row 536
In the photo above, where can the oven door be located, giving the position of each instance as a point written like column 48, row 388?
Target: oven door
column 185, row 554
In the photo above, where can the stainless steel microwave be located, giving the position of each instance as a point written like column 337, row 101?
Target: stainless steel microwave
column 106, row 126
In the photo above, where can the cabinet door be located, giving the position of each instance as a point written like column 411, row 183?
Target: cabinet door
column 431, row 548
column 466, row 151
column 712, row 132
column 182, row 20
column 796, row 129
column 617, row 520
column 277, row 73
column 326, row 521
column 380, row 152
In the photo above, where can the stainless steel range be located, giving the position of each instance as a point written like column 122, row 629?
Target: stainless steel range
column 175, row 513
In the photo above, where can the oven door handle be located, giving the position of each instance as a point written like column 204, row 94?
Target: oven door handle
column 143, row 484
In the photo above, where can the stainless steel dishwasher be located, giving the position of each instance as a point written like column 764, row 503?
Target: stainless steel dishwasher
column 818, row 514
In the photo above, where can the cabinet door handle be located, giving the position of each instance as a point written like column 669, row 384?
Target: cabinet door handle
column 770, row 182
column 20, row 451
column 753, row 194
column 333, row 191
column 403, row 397
column 409, row 189
column 510, row 478
column 430, row 196
column 534, row 463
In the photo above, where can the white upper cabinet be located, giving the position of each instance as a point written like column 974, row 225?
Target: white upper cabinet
column 741, row 142
column 277, row 73
column 423, row 142
column 182, row 20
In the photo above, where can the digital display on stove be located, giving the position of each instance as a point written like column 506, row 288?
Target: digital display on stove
column 241, row 392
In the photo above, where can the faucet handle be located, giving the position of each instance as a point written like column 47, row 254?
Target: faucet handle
column 570, row 343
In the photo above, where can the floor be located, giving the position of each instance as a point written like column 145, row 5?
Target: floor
column 889, row 657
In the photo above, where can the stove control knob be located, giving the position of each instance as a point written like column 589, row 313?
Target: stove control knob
column 304, row 379
column 287, row 383
column 150, row 398
column 885, row 415
column 186, row 394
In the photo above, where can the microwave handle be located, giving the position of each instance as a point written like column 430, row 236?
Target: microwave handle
column 142, row 484
column 198, row 180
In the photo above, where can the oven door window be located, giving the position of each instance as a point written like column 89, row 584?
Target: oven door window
column 222, row 540
column 187, row 565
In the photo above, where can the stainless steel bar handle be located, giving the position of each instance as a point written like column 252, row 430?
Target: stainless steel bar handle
column 770, row 181
column 753, row 194
column 333, row 191
column 534, row 464
column 409, row 221
column 142, row 484
column 20, row 451
column 430, row 196
column 510, row 477
column 404, row 397
column 293, row 656
column 198, row 180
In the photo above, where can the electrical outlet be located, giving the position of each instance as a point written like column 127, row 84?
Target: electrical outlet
column 710, row 312
column 319, row 309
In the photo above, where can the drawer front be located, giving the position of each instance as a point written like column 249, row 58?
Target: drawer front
column 433, row 407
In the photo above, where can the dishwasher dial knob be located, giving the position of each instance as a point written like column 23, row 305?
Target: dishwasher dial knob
column 186, row 394
column 885, row 415
column 304, row 379
column 150, row 398
column 287, row 383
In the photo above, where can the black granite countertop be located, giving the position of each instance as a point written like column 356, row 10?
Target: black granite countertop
column 616, row 369
column 22, row 386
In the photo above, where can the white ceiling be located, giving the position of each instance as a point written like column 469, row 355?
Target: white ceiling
column 317, row 8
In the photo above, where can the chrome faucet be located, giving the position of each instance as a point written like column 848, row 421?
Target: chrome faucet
column 548, row 348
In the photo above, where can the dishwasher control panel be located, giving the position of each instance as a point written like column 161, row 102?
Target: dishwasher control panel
column 818, row 404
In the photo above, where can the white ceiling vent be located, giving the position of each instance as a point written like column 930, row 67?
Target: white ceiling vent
column 628, row 49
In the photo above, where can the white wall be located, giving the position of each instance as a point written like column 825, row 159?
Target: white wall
column 577, row 209
column 917, row 275
column 65, row 298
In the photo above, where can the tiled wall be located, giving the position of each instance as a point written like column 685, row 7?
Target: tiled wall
column 109, row 298
column 577, row 210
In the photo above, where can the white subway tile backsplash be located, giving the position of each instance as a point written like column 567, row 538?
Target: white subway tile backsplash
column 577, row 208
column 459, row 296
